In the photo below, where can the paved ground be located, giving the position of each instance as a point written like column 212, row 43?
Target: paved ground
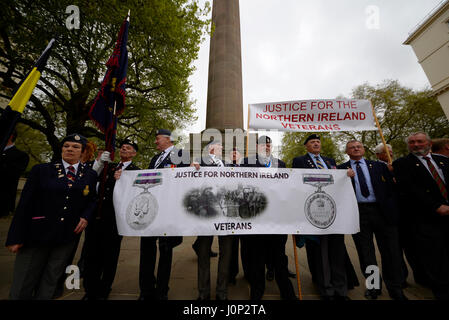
column 183, row 285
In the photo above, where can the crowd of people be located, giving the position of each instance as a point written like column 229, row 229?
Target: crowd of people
column 403, row 204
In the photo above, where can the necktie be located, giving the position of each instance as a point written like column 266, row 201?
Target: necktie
column 71, row 175
column 319, row 164
column 119, row 167
column 159, row 160
column 437, row 178
column 362, row 180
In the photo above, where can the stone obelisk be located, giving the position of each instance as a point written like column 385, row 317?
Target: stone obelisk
column 224, row 92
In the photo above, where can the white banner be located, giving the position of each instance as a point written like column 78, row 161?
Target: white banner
column 313, row 115
column 227, row 200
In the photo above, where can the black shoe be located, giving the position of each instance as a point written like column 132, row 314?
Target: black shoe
column 89, row 297
column 291, row 274
column 398, row 295
column 221, row 298
column 195, row 248
column 371, row 294
column 232, row 281
column 341, row 298
column 213, row 254
column 203, row 298
column 326, row 298
column 270, row 275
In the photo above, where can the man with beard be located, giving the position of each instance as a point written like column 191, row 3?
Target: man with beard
column 260, row 247
column 423, row 178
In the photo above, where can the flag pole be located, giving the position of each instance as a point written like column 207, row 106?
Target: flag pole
column 247, row 134
column 298, row 280
column 387, row 151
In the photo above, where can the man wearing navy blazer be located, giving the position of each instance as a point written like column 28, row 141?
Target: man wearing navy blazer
column 258, row 245
column 326, row 254
column 423, row 179
column 152, row 287
column 374, row 189
column 13, row 163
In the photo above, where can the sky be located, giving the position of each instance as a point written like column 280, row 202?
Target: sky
column 318, row 49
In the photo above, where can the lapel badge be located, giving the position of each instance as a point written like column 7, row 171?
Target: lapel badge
column 60, row 175
column 86, row 190
column 417, row 164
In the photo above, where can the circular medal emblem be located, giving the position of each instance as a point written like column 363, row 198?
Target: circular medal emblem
column 142, row 211
column 320, row 210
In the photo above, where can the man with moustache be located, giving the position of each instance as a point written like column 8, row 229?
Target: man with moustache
column 378, row 210
column 423, row 177
column 102, row 239
column 202, row 245
column 257, row 246
column 326, row 254
column 151, row 287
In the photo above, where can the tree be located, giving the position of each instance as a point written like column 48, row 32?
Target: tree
column 293, row 146
column 400, row 111
column 164, row 39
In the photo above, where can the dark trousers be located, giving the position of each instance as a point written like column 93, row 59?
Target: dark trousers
column 409, row 247
column 432, row 246
column 37, row 271
column 236, row 247
column 256, row 248
column 224, row 258
column 372, row 222
column 151, row 286
column 102, row 253
column 328, row 259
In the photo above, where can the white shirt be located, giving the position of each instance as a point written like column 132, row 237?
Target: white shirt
column 163, row 155
column 66, row 165
column 216, row 160
column 125, row 164
column 424, row 162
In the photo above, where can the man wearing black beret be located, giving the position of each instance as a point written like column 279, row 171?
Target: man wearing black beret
column 102, row 239
column 156, row 287
column 255, row 246
column 326, row 254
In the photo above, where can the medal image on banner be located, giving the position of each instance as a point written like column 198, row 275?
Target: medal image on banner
column 320, row 208
column 143, row 209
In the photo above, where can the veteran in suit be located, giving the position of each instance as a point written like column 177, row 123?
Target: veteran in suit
column 378, row 210
column 102, row 239
column 202, row 245
column 55, row 206
column 328, row 259
column 13, row 163
column 151, row 287
column 423, row 178
column 256, row 246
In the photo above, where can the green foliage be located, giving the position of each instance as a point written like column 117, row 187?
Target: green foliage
column 164, row 39
column 293, row 146
column 400, row 111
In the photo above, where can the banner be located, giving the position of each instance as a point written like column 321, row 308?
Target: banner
column 234, row 200
column 313, row 115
